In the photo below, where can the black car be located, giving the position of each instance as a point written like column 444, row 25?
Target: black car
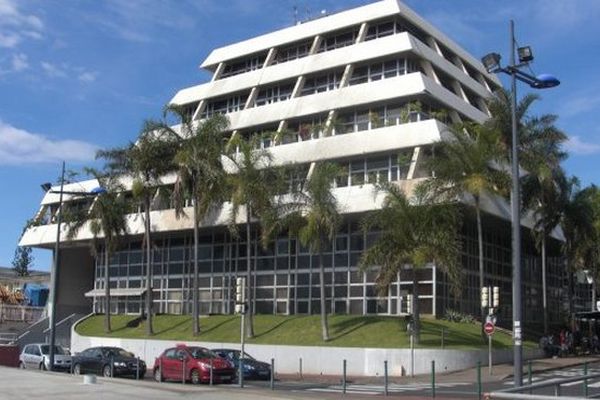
column 253, row 369
column 97, row 360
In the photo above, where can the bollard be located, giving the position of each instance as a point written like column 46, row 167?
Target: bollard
column 585, row 381
column 241, row 372
column 112, row 367
column 160, row 369
column 385, row 378
column 300, row 362
column 210, row 377
column 183, row 371
column 443, row 337
column 344, row 377
column 137, row 368
column 479, row 387
column 530, row 375
column 272, row 374
column 433, row 379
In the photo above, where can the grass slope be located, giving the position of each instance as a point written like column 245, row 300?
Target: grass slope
column 345, row 331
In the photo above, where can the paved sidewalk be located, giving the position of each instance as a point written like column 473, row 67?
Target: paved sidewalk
column 500, row 372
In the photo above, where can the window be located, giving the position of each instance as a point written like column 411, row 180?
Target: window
column 274, row 94
column 239, row 67
column 292, row 52
column 223, row 106
column 382, row 29
column 339, row 40
column 322, row 83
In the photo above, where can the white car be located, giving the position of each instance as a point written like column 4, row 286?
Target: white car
column 37, row 356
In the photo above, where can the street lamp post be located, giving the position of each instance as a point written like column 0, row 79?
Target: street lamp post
column 492, row 64
column 54, row 274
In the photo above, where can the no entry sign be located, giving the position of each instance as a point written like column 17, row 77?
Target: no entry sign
column 489, row 328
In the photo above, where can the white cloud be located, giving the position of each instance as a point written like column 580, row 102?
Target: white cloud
column 16, row 25
column 53, row 70
column 87, row 76
column 19, row 147
column 19, row 62
column 576, row 145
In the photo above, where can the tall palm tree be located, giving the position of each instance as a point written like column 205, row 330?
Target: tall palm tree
column 320, row 219
column 146, row 161
column 467, row 163
column 251, row 189
column 201, row 177
column 415, row 231
column 535, row 133
column 544, row 193
column 106, row 218
column 577, row 223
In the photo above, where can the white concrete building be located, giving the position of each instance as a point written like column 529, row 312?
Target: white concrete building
column 363, row 88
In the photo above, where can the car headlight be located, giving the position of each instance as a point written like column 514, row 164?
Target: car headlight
column 249, row 367
column 205, row 365
column 120, row 364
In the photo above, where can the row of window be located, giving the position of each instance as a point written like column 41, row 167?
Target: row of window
column 383, row 70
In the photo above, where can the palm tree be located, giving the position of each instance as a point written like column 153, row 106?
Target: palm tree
column 201, row 177
column 416, row 232
column 318, row 212
column 466, row 163
column 536, row 133
column 107, row 218
column 147, row 161
column 577, row 222
column 544, row 194
column 251, row 188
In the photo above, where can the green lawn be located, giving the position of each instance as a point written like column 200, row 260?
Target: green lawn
column 345, row 331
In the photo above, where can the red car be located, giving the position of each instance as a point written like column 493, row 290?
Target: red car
column 197, row 363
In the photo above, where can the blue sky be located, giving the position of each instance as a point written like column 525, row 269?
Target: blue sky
column 76, row 76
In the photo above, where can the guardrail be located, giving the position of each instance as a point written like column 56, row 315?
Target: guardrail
column 7, row 338
column 18, row 313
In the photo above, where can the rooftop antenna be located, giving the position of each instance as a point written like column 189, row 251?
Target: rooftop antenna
column 307, row 13
column 296, row 22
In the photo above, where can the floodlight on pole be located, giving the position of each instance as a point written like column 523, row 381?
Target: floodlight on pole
column 491, row 63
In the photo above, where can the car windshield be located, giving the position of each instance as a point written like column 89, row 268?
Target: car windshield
column 119, row 352
column 57, row 350
column 200, row 352
column 236, row 355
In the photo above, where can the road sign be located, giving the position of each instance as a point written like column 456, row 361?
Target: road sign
column 489, row 328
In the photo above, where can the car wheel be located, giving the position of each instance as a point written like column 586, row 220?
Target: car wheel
column 158, row 375
column 195, row 376
column 77, row 369
column 106, row 372
column 22, row 365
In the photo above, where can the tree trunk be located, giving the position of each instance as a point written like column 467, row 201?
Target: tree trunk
column 324, row 326
column 250, row 283
column 544, row 285
column 195, row 305
column 570, row 294
column 480, row 251
column 416, row 308
column 149, row 330
column 106, row 290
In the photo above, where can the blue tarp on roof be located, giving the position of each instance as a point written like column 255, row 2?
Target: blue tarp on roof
column 35, row 295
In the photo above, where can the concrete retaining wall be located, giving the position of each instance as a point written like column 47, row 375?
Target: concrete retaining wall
column 320, row 360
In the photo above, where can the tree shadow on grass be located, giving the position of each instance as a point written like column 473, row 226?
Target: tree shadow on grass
column 274, row 327
column 346, row 326
column 212, row 328
column 172, row 327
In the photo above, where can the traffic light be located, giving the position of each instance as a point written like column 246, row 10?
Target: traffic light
column 485, row 297
column 240, row 295
column 496, row 297
column 409, row 303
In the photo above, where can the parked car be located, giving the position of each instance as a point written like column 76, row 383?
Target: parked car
column 97, row 360
column 194, row 364
column 37, row 356
column 253, row 369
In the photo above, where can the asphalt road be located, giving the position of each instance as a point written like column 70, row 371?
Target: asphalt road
column 20, row 384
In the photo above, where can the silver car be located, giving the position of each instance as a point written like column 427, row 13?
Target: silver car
column 37, row 356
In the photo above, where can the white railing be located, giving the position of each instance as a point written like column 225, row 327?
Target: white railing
column 18, row 313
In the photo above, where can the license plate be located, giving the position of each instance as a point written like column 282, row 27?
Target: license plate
column 225, row 377
column 263, row 373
